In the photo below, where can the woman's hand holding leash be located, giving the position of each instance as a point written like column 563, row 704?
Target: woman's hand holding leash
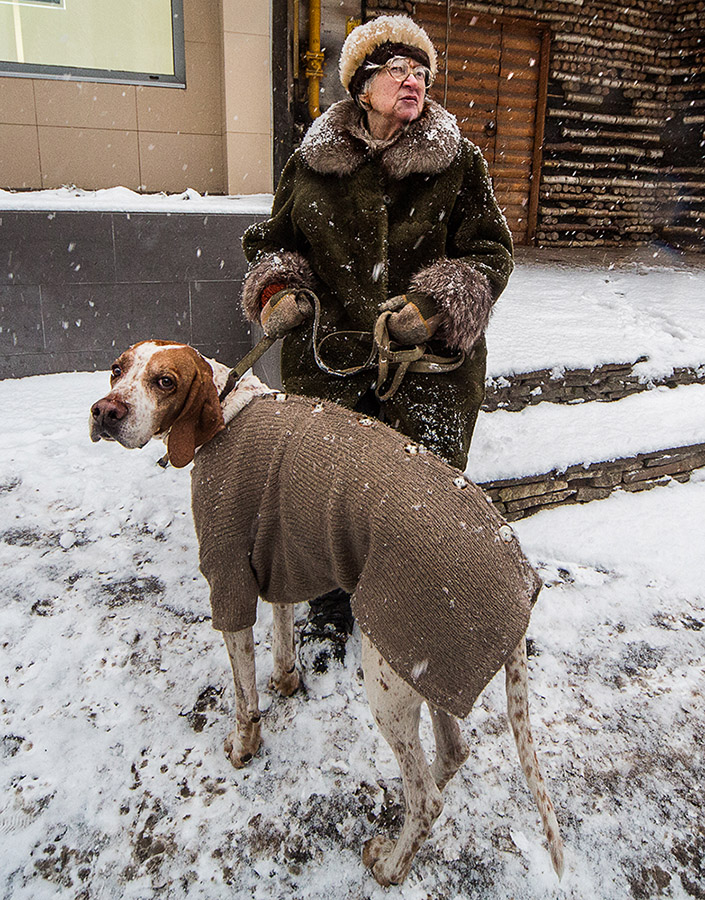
column 283, row 312
column 414, row 318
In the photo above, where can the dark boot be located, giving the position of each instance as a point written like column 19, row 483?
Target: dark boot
column 330, row 622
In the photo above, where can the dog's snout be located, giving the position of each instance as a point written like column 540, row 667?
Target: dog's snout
column 109, row 409
column 107, row 415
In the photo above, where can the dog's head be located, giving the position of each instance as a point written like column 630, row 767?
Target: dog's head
column 159, row 389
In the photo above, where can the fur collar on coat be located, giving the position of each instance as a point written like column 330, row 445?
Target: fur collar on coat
column 337, row 143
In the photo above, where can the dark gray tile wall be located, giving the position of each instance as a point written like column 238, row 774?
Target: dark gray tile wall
column 77, row 288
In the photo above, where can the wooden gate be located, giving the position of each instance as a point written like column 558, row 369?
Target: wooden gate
column 496, row 86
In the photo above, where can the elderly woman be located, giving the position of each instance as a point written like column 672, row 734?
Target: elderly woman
column 383, row 203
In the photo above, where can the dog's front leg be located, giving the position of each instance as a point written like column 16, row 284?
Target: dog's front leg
column 285, row 679
column 242, row 743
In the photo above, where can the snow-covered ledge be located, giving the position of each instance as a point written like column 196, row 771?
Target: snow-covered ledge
column 121, row 199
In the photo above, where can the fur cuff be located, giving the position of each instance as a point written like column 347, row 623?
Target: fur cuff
column 290, row 269
column 463, row 296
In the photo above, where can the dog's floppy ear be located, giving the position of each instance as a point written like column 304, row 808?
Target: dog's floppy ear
column 200, row 419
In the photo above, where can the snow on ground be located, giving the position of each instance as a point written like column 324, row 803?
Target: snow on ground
column 600, row 307
column 552, row 436
column 117, row 697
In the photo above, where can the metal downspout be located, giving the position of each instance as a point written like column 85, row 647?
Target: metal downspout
column 314, row 58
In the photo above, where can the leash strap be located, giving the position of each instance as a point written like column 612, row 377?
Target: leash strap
column 324, row 367
column 383, row 354
column 386, row 357
column 247, row 361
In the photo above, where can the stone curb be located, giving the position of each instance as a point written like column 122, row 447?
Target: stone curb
column 612, row 381
column 516, row 498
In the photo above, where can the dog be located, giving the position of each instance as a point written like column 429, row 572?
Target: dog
column 262, row 479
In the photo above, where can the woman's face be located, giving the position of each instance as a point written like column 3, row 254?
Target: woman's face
column 396, row 102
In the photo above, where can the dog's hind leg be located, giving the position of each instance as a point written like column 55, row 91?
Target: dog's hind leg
column 451, row 747
column 285, row 679
column 242, row 743
column 396, row 708
column 518, row 712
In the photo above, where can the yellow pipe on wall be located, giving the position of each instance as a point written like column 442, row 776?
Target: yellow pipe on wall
column 314, row 58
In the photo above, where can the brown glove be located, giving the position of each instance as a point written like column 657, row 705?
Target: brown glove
column 415, row 320
column 284, row 311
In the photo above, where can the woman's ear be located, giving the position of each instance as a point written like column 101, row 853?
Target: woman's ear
column 200, row 419
column 363, row 102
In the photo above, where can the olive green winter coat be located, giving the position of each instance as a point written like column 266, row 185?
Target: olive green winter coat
column 359, row 221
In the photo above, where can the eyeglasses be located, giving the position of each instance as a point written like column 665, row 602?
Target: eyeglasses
column 399, row 67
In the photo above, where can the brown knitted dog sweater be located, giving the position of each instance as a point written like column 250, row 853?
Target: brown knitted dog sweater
column 296, row 497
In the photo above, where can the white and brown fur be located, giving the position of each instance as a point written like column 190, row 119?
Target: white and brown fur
column 170, row 391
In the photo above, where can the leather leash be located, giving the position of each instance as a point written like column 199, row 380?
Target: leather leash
column 247, row 361
column 384, row 353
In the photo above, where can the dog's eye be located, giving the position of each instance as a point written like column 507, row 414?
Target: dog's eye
column 165, row 382
column 116, row 371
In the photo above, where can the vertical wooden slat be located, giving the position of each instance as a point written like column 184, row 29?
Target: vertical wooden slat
column 491, row 80
column 537, row 159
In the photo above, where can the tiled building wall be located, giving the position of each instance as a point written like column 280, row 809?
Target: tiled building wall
column 213, row 136
column 77, row 288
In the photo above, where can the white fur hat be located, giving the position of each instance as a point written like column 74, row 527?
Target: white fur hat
column 365, row 38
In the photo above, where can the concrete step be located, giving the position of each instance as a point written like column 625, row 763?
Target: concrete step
column 517, row 498
column 550, row 454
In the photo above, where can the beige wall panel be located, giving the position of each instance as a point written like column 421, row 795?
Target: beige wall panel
column 196, row 110
column 174, row 162
column 90, row 157
column 19, row 157
column 202, row 20
column 248, row 97
column 84, row 104
column 100, row 135
column 246, row 16
column 17, row 102
column 249, row 164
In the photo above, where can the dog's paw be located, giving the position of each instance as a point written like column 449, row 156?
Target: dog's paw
column 286, row 684
column 242, row 744
column 375, row 856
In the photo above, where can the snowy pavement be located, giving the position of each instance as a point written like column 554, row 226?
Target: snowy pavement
column 116, row 693
column 581, row 309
